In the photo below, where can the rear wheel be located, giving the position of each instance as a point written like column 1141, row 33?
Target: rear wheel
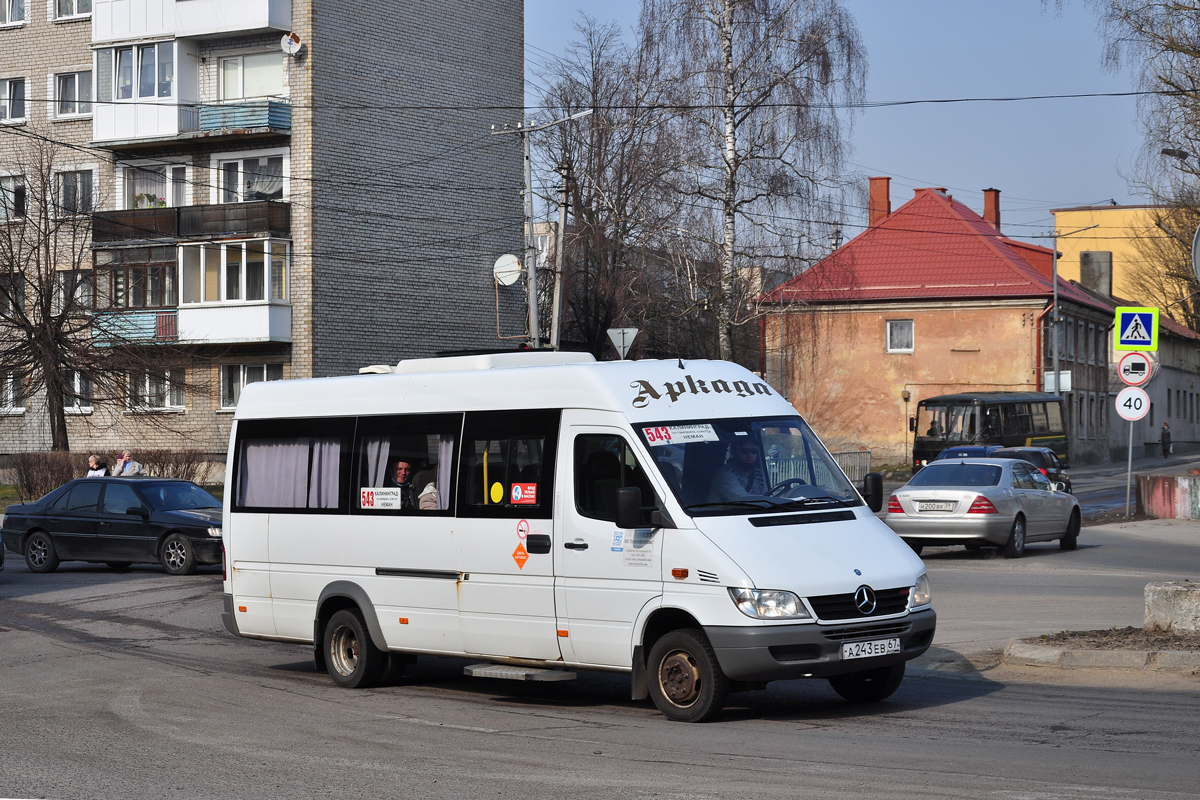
column 686, row 681
column 1015, row 546
column 869, row 686
column 353, row 660
column 39, row 553
column 1070, row 539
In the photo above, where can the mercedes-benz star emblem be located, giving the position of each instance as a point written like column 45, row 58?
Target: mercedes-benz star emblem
column 864, row 600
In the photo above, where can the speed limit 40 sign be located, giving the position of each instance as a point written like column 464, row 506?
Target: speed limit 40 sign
column 1132, row 403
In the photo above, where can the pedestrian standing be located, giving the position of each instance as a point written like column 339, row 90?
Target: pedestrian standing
column 1164, row 438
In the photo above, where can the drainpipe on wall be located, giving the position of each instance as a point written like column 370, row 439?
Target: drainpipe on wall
column 1041, row 359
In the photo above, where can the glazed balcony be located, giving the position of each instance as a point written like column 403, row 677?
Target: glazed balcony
column 267, row 218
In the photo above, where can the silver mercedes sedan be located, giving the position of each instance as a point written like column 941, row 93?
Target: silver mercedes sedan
column 983, row 501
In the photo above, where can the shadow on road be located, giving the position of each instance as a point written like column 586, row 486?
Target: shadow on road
column 959, row 553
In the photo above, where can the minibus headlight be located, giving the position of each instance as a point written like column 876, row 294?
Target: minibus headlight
column 214, row 532
column 768, row 604
column 920, row 593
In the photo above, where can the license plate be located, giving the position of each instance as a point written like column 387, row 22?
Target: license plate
column 936, row 506
column 877, row 647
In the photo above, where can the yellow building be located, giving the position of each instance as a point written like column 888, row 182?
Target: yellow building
column 1100, row 247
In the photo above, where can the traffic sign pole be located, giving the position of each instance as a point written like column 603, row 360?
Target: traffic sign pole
column 1132, row 404
column 1129, row 470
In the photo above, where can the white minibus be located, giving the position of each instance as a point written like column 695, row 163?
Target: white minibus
column 541, row 513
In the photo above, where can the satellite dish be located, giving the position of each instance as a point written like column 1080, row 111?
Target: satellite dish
column 507, row 270
column 291, row 43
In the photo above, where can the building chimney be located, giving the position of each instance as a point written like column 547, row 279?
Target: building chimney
column 991, row 207
column 880, row 205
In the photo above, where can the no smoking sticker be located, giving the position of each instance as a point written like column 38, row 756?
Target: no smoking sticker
column 523, row 529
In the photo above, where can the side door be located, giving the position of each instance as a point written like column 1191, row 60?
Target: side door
column 121, row 536
column 504, row 534
column 1032, row 499
column 606, row 575
column 1055, row 506
column 79, row 518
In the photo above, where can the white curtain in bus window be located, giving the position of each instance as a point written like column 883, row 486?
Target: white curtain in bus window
column 290, row 473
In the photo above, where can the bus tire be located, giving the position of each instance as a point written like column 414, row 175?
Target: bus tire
column 686, row 681
column 353, row 660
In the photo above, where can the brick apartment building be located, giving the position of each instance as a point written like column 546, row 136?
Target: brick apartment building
column 287, row 215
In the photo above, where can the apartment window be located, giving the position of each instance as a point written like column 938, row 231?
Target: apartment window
column 73, row 93
column 12, row 12
column 258, row 75
column 12, row 294
column 77, row 392
column 899, row 335
column 12, row 196
column 1070, row 324
column 236, row 376
column 138, row 277
column 156, row 389
column 12, row 395
column 72, row 8
column 155, row 186
column 1091, row 340
column 253, row 271
column 73, row 291
column 75, row 192
column 249, row 179
column 1091, row 431
column 128, row 73
column 12, row 99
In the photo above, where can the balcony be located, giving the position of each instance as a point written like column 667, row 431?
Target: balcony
column 240, row 117
column 122, row 20
column 235, row 323
column 201, row 18
column 267, row 218
column 154, row 326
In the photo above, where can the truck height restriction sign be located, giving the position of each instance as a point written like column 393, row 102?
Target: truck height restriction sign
column 1136, row 328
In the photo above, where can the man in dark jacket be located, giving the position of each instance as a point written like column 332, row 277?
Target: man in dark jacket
column 1164, row 439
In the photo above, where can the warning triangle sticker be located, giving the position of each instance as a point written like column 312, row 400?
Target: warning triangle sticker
column 1136, row 330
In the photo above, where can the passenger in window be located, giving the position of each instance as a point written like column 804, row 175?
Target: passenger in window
column 402, row 476
column 97, row 468
column 742, row 474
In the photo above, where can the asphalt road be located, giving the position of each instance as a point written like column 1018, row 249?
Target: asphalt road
column 128, row 686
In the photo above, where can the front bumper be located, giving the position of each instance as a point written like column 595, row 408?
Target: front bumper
column 993, row 528
column 208, row 550
column 782, row 652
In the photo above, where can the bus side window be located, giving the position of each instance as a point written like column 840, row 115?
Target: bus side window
column 991, row 422
column 603, row 464
column 298, row 466
column 1040, row 422
column 507, row 466
column 1054, row 417
column 406, row 463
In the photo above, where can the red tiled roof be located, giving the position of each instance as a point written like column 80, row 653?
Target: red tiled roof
column 931, row 248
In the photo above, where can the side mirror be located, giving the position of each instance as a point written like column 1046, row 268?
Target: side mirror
column 629, row 507
column 138, row 511
column 873, row 491
column 1058, row 486
column 912, row 424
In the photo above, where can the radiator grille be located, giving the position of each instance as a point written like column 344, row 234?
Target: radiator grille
column 868, row 631
column 841, row 606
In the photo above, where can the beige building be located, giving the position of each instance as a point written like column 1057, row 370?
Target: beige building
column 275, row 215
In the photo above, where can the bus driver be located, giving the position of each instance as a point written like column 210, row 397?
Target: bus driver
column 742, row 474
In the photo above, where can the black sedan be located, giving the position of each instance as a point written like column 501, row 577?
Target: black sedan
column 1043, row 458
column 118, row 522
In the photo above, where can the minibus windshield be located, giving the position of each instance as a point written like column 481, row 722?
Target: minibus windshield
column 746, row 465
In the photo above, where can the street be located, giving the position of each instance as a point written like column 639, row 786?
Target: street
column 126, row 685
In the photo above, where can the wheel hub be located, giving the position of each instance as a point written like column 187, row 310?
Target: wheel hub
column 343, row 650
column 680, row 678
column 175, row 555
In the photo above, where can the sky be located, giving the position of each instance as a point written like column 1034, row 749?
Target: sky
column 1041, row 154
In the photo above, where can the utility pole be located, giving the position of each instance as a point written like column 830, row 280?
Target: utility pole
column 556, row 311
column 523, row 130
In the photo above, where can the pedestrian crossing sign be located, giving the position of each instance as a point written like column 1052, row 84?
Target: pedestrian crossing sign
column 1136, row 329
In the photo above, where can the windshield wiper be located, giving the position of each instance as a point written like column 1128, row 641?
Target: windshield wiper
column 820, row 500
column 756, row 504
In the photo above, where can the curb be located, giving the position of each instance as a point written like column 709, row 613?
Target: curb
column 1023, row 654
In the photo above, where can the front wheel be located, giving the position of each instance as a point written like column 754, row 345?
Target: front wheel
column 178, row 557
column 686, row 681
column 353, row 660
column 869, row 686
column 39, row 553
column 1015, row 546
column 1070, row 539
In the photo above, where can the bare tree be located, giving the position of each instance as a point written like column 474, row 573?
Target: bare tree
column 756, row 86
column 52, row 341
